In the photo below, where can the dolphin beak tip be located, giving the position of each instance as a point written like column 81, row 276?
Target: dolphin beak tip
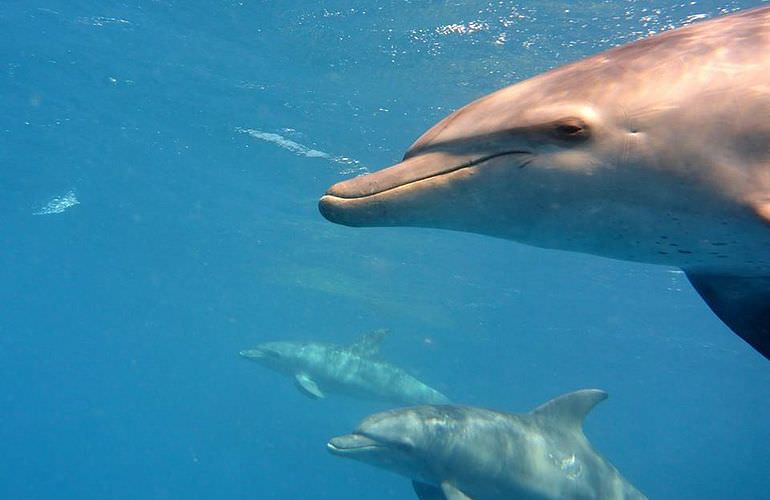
column 338, row 189
column 336, row 445
column 331, row 447
column 326, row 206
column 333, row 209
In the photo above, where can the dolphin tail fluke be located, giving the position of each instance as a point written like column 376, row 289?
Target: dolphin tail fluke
column 569, row 410
column 743, row 303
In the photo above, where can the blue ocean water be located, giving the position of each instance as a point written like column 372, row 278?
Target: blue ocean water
column 161, row 165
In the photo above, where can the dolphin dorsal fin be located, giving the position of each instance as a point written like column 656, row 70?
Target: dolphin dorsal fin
column 570, row 409
column 369, row 345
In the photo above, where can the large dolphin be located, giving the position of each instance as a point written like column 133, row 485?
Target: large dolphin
column 462, row 453
column 319, row 368
column 657, row 151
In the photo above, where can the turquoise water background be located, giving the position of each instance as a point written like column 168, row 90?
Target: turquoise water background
column 161, row 164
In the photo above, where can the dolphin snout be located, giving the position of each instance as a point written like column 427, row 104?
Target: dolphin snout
column 370, row 199
column 413, row 169
column 419, row 191
column 350, row 443
column 252, row 353
column 406, row 172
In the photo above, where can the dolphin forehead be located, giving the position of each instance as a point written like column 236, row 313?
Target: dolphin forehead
column 433, row 420
column 397, row 423
column 515, row 112
column 614, row 86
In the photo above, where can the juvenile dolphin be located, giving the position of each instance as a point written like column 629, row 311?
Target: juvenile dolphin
column 657, row 151
column 464, row 453
column 318, row 368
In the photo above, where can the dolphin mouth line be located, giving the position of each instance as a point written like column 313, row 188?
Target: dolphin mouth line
column 332, row 447
column 351, row 444
column 253, row 354
column 464, row 165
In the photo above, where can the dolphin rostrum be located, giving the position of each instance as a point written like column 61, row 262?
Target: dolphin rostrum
column 657, row 151
column 462, row 453
column 318, row 368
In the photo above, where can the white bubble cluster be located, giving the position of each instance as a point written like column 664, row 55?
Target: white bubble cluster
column 58, row 204
column 353, row 166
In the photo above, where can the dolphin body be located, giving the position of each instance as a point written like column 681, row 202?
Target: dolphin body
column 656, row 151
column 318, row 368
column 465, row 453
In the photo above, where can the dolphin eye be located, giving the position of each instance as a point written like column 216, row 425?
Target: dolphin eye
column 570, row 129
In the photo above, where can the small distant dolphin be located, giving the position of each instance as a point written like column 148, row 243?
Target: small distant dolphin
column 319, row 368
column 657, row 151
column 463, row 453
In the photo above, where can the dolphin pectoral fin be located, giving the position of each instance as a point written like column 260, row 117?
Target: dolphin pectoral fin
column 308, row 387
column 452, row 493
column 742, row 302
column 447, row 491
column 427, row 491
